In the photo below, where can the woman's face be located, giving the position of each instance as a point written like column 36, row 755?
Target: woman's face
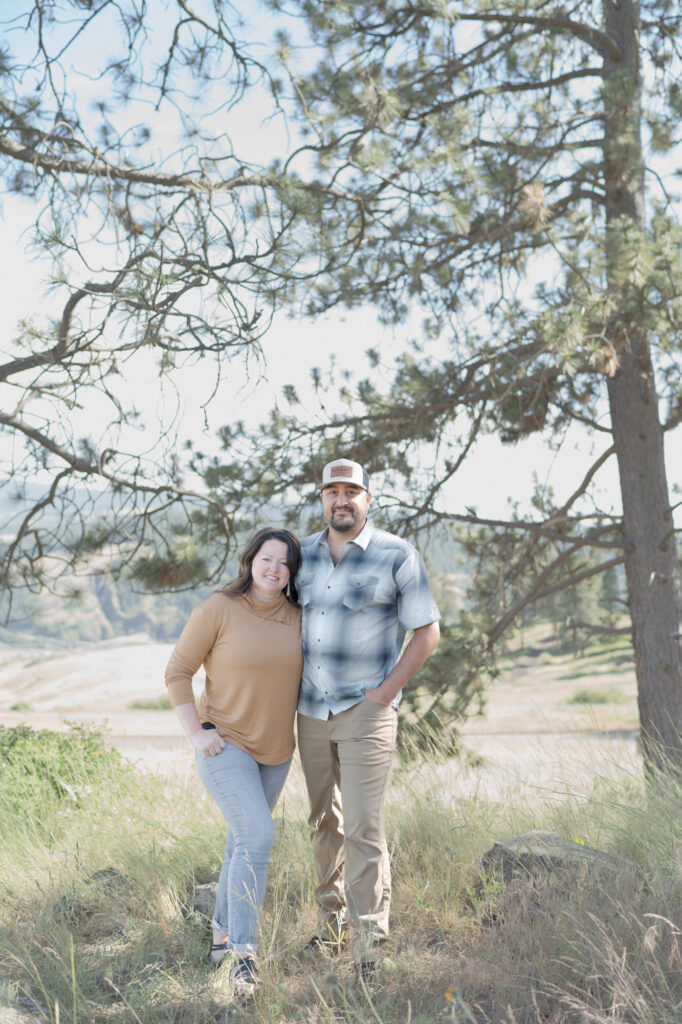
column 269, row 570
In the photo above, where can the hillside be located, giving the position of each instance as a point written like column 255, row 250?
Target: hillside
column 96, row 603
column 95, row 607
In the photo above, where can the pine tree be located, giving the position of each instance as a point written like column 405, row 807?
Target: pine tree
column 497, row 148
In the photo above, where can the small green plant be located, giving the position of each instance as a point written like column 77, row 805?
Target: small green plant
column 21, row 705
column 597, row 696
column 486, row 894
column 35, row 661
column 160, row 703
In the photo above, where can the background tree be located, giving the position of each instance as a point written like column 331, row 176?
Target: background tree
column 165, row 247
column 498, row 150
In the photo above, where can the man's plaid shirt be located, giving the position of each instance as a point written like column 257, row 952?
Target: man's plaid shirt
column 356, row 614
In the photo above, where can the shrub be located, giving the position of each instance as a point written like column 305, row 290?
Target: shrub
column 44, row 766
column 160, row 703
column 596, row 696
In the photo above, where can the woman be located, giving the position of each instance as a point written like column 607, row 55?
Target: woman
column 248, row 637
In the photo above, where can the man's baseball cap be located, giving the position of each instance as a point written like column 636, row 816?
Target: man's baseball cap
column 343, row 471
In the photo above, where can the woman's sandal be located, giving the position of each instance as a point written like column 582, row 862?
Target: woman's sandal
column 218, row 952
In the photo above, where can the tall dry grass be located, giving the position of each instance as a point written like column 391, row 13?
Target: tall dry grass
column 95, row 924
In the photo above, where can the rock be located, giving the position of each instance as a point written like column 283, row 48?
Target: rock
column 92, row 902
column 15, row 1015
column 537, row 852
column 18, row 1008
column 111, row 878
column 202, row 899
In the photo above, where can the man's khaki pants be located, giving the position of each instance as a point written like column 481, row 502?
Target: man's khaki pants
column 346, row 762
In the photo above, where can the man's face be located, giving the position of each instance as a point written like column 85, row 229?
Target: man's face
column 344, row 506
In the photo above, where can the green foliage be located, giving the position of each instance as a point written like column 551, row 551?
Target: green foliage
column 498, row 150
column 552, row 573
column 479, row 165
column 41, row 770
column 596, row 696
column 448, row 688
column 178, row 566
column 161, row 703
column 170, row 250
column 97, row 607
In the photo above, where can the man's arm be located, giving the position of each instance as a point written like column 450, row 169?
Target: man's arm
column 423, row 642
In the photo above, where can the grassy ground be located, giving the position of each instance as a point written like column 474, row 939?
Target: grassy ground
column 97, row 865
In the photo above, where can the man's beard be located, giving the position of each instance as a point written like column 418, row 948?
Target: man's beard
column 346, row 523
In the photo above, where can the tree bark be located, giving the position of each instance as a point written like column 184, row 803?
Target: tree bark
column 650, row 552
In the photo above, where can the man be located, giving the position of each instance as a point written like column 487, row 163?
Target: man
column 361, row 589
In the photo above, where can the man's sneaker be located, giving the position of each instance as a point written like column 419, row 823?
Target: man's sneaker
column 244, row 976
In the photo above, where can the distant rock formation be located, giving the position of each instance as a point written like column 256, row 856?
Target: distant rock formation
column 120, row 621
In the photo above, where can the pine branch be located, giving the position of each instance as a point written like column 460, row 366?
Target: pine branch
column 602, row 630
column 538, row 592
column 98, row 468
column 502, row 88
column 98, row 167
column 545, row 530
column 600, row 41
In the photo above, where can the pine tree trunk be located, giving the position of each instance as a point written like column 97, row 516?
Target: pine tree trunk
column 650, row 551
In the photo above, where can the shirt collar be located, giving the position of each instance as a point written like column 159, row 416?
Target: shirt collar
column 365, row 535
column 362, row 539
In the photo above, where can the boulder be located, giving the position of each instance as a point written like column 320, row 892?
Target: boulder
column 535, row 853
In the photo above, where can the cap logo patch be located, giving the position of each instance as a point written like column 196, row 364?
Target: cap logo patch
column 341, row 471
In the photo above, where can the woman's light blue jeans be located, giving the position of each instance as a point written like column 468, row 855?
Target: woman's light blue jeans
column 246, row 793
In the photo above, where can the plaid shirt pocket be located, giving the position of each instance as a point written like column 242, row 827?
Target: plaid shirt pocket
column 360, row 592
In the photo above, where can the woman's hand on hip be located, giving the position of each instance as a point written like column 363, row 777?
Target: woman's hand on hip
column 207, row 741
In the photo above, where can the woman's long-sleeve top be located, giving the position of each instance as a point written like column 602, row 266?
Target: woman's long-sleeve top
column 251, row 652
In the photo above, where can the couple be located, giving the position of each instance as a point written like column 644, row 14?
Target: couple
column 358, row 591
